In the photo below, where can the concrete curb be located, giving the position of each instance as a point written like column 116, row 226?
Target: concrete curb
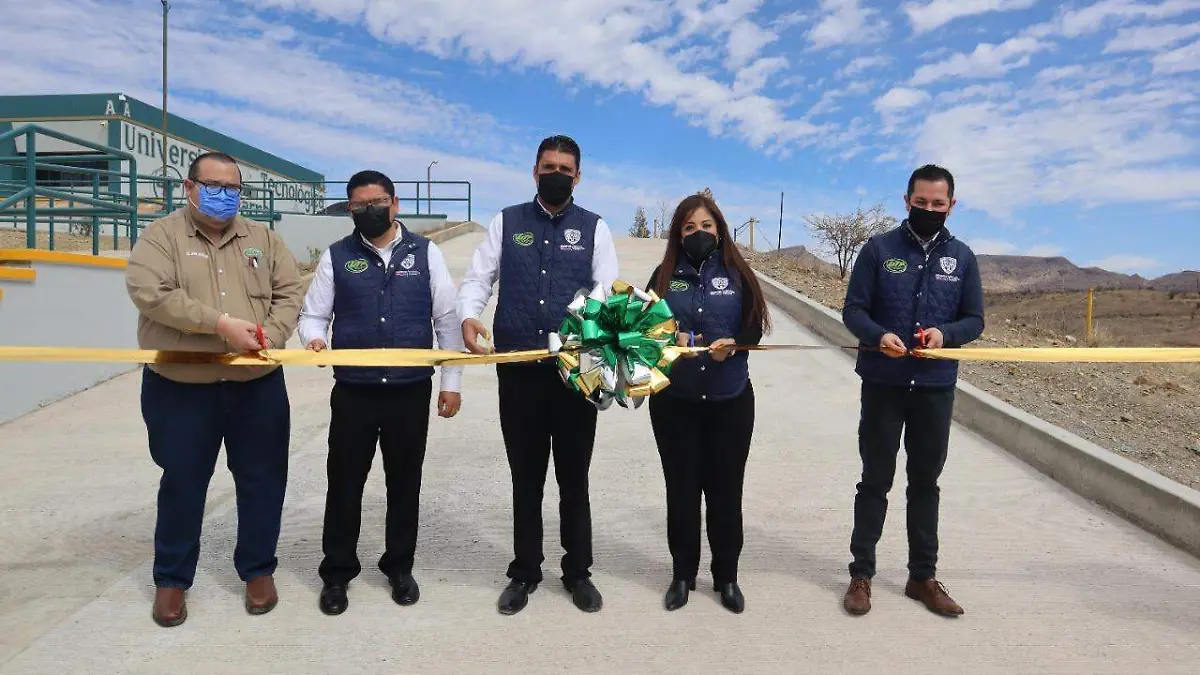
column 1161, row 506
column 456, row 231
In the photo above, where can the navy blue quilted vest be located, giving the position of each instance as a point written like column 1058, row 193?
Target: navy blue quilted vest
column 915, row 289
column 544, row 260
column 378, row 307
column 707, row 302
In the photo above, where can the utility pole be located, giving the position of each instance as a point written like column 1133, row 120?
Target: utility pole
column 428, row 189
column 166, row 179
column 779, row 241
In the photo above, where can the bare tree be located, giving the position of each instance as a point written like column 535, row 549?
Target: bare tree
column 664, row 221
column 842, row 235
column 639, row 228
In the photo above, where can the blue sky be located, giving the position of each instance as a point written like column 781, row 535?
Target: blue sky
column 1073, row 129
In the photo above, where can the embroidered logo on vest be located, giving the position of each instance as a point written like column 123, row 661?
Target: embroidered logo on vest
column 407, row 267
column 677, row 285
column 948, row 264
column 572, row 236
column 357, row 266
column 721, row 284
column 896, row 265
column 523, row 238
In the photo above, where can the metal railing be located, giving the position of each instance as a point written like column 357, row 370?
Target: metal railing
column 91, row 203
column 98, row 200
column 318, row 198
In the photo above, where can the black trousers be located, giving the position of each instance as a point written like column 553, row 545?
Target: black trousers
column 923, row 415
column 396, row 417
column 540, row 416
column 704, row 446
column 186, row 425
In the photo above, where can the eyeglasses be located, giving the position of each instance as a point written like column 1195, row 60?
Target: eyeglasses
column 360, row 207
column 214, row 189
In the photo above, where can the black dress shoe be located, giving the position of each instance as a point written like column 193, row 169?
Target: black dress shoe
column 731, row 597
column 585, row 595
column 405, row 590
column 516, row 596
column 677, row 594
column 333, row 599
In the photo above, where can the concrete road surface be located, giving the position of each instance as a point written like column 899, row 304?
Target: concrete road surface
column 1050, row 583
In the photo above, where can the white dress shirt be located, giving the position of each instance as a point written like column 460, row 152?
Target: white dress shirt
column 477, row 285
column 317, row 314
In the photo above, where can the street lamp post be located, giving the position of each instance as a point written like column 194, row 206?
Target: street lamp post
column 166, row 181
column 428, row 188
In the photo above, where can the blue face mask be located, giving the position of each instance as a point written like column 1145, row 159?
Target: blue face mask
column 219, row 203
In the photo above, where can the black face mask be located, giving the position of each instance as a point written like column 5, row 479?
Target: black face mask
column 699, row 245
column 925, row 224
column 372, row 222
column 555, row 188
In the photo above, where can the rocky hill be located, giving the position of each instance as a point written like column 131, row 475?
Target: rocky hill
column 1179, row 282
column 1029, row 274
column 1016, row 274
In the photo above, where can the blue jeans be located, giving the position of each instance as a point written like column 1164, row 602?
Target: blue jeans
column 186, row 424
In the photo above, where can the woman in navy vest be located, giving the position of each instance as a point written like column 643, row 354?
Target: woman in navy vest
column 703, row 421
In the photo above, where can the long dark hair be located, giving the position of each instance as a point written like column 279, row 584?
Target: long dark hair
column 754, row 312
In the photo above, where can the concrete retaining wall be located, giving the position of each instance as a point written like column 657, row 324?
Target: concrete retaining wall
column 66, row 306
column 1159, row 505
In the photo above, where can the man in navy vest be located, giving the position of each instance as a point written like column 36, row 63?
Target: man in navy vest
column 916, row 285
column 383, row 287
column 542, row 252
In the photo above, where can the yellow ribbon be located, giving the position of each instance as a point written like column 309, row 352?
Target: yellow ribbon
column 1067, row 354
column 441, row 357
column 280, row 357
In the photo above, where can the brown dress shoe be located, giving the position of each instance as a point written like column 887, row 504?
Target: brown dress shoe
column 261, row 596
column 858, row 596
column 933, row 594
column 170, row 608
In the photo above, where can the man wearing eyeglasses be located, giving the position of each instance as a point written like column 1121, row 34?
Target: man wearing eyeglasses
column 205, row 279
column 381, row 286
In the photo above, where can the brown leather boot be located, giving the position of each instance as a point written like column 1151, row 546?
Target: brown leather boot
column 858, row 596
column 261, row 596
column 170, row 607
column 933, row 594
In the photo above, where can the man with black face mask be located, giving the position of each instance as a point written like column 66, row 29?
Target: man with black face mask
column 382, row 287
column 542, row 252
column 916, row 285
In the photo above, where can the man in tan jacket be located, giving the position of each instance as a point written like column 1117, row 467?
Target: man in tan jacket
column 204, row 279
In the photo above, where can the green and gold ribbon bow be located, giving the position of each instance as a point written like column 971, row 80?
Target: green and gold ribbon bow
column 616, row 346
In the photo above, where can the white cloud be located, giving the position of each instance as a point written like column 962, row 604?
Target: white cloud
column 1052, row 144
column 989, row 91
column 1056, row 73
column 1128, row 264
column 627, row 45
column 845, row 22
column 999, row 247
column 988, row 60
column 864, row 63
column 937, row 13
column 1183, row 60
column 311, row 110
column 1151, row 38
column 1073, row 23
column 992, row 247
column 1043, row 251
column 900, row 98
